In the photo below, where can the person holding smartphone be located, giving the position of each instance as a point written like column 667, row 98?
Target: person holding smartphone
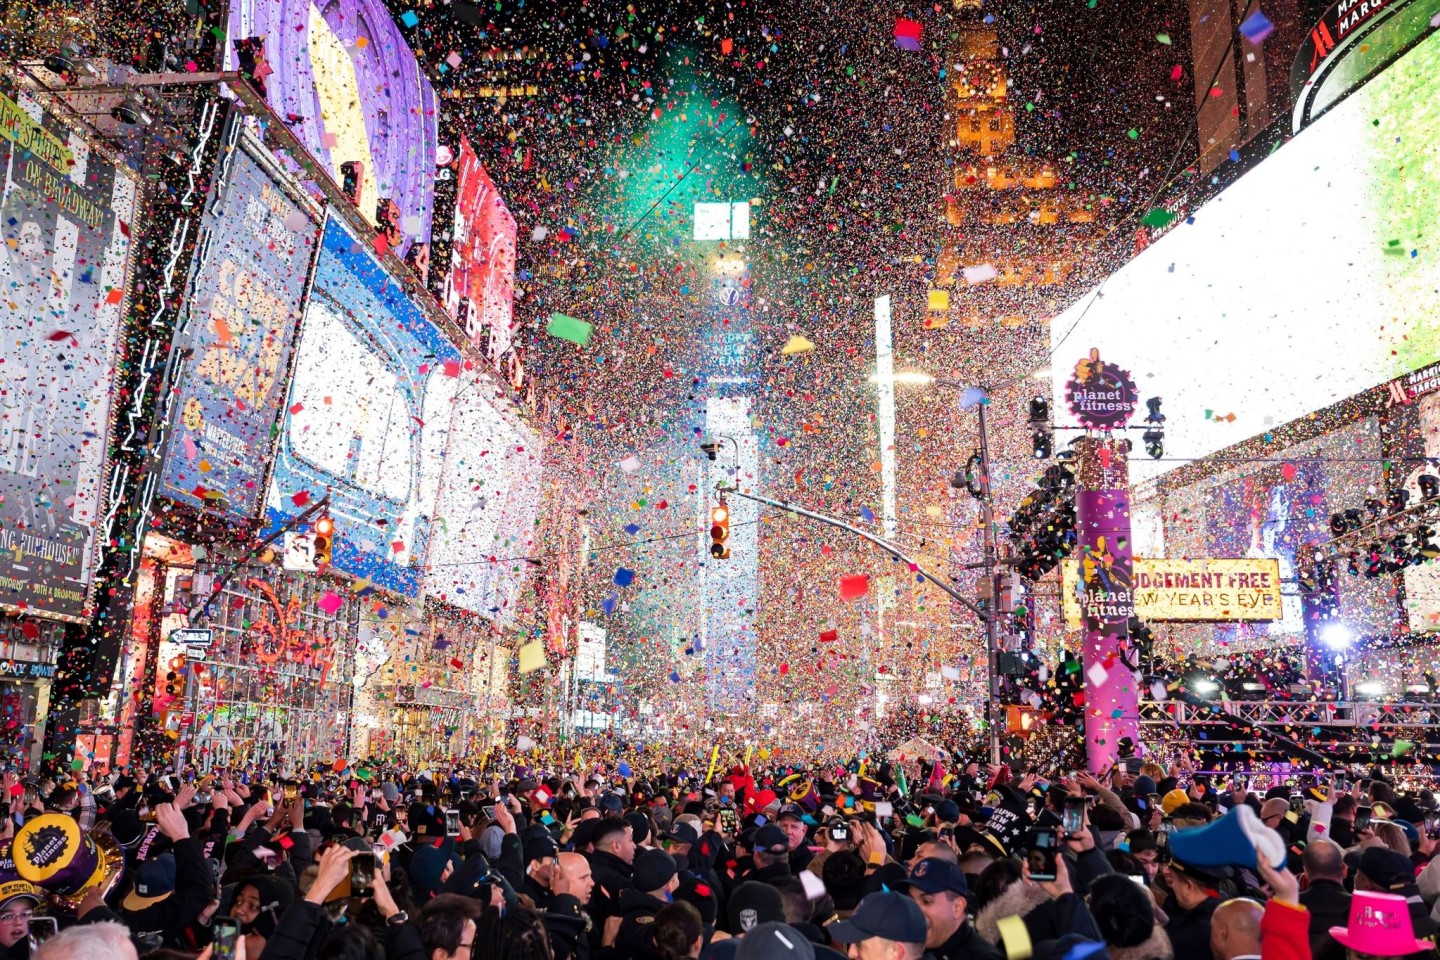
column 18, row 903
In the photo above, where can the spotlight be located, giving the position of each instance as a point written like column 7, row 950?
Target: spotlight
column 132, row 112
column 64, row 65
column 1370, row 688
column 1374, row 561
column 1429, row 486
column 1155, row 416
column 1337, row 523
column 1352, row 563
column 1399, row 499
column 1353, row 520
column 1041, row 445
column 1374, row 506
column 1205, row 686
column 1337, row 635
column 1154, row 443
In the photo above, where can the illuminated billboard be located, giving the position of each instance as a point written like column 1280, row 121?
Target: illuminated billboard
column 1226, row 590
column 367, row 419
column 257, row 245
column 65, row 218
column 346, row 83
column 485, row 518
column 1308, row 280
column 479, row 289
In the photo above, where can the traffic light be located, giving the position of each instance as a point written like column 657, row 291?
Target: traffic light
column 720, row 532
column 324, row 532
column 1154, row 436
column 1042, row 435
column 174, row 685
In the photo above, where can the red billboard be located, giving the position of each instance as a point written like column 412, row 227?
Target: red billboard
column 480, row 286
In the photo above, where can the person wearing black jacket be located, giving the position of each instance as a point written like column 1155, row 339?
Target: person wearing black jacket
column 610, row 865
column 656, row 877
column 1325, row 897
column 771, row 856
column 1194, row 898
column 940, row 888
column 304, row 926
column 191, row 888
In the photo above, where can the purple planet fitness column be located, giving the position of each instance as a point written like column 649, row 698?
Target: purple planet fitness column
column 1107, row 601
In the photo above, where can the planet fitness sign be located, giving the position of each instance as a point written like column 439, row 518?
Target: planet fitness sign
column 1100, row 395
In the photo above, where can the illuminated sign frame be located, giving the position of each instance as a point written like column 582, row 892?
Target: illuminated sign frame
column 1200, row 590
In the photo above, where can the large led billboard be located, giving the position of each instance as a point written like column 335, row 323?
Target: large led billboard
column 1311, row 278
column 485, row 519
column 65, row 218
column 368, row 415
column 480, row 286
column 257, row 244
column 341, row 76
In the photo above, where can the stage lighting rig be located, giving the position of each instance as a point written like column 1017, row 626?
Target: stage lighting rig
column 1387, row 535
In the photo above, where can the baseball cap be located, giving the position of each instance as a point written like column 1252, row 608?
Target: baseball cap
column 771, row 839
column 792, row 810
column 682, row 832
column 936, row 875
column 947, row 811
column 1174, row 800
column 1387, row 869
column 888, row 915
column 774, row 941
column 154, row 881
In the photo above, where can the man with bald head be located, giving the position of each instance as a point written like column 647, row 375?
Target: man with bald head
column 1235, row 930
column 566, row 919
column 1325, row 896
column 578, row 880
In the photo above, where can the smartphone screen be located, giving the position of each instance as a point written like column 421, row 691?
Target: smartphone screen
column 1432, row 825
column 1362, row 818
column 1162, row 839
column 1042, row 855
column 226, row 931
column 452, row 823
column 488, row 811
column 1297, row 802
column 41, row 929
column 729, row 821
column 362, row 874
column 1073, row 820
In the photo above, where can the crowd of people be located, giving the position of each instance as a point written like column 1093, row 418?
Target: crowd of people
column 913, row 862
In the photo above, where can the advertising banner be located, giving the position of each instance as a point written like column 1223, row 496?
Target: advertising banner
column 485, row 520
column 1226, row 590
column 344, row 75
column 65, row 216
column 256, row 250
column 480, row 287
column 368, row 415
column 1107, row 599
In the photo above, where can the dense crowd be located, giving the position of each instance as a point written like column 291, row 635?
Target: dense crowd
column 887, row 862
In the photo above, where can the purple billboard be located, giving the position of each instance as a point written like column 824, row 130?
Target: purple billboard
column 342, row 77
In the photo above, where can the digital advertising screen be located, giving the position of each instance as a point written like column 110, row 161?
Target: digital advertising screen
column 348, row 85
column 257, row 245
column 1271, row 509
column 368, row 416
column 485, row 518
column 480, row 287
column 65, row 217
column 1308, row 280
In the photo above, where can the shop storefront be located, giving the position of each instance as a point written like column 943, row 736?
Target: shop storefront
column 275, row 685
column 28, row 648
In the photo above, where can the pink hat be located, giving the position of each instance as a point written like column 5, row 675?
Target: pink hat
column 1380, row 926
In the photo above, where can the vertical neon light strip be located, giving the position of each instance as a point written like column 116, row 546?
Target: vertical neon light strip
column 885, row 375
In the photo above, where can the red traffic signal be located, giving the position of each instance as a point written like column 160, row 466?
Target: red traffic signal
column 720, row 532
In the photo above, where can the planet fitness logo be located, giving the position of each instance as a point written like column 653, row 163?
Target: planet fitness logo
column 1100, row 394
column 46, row 846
